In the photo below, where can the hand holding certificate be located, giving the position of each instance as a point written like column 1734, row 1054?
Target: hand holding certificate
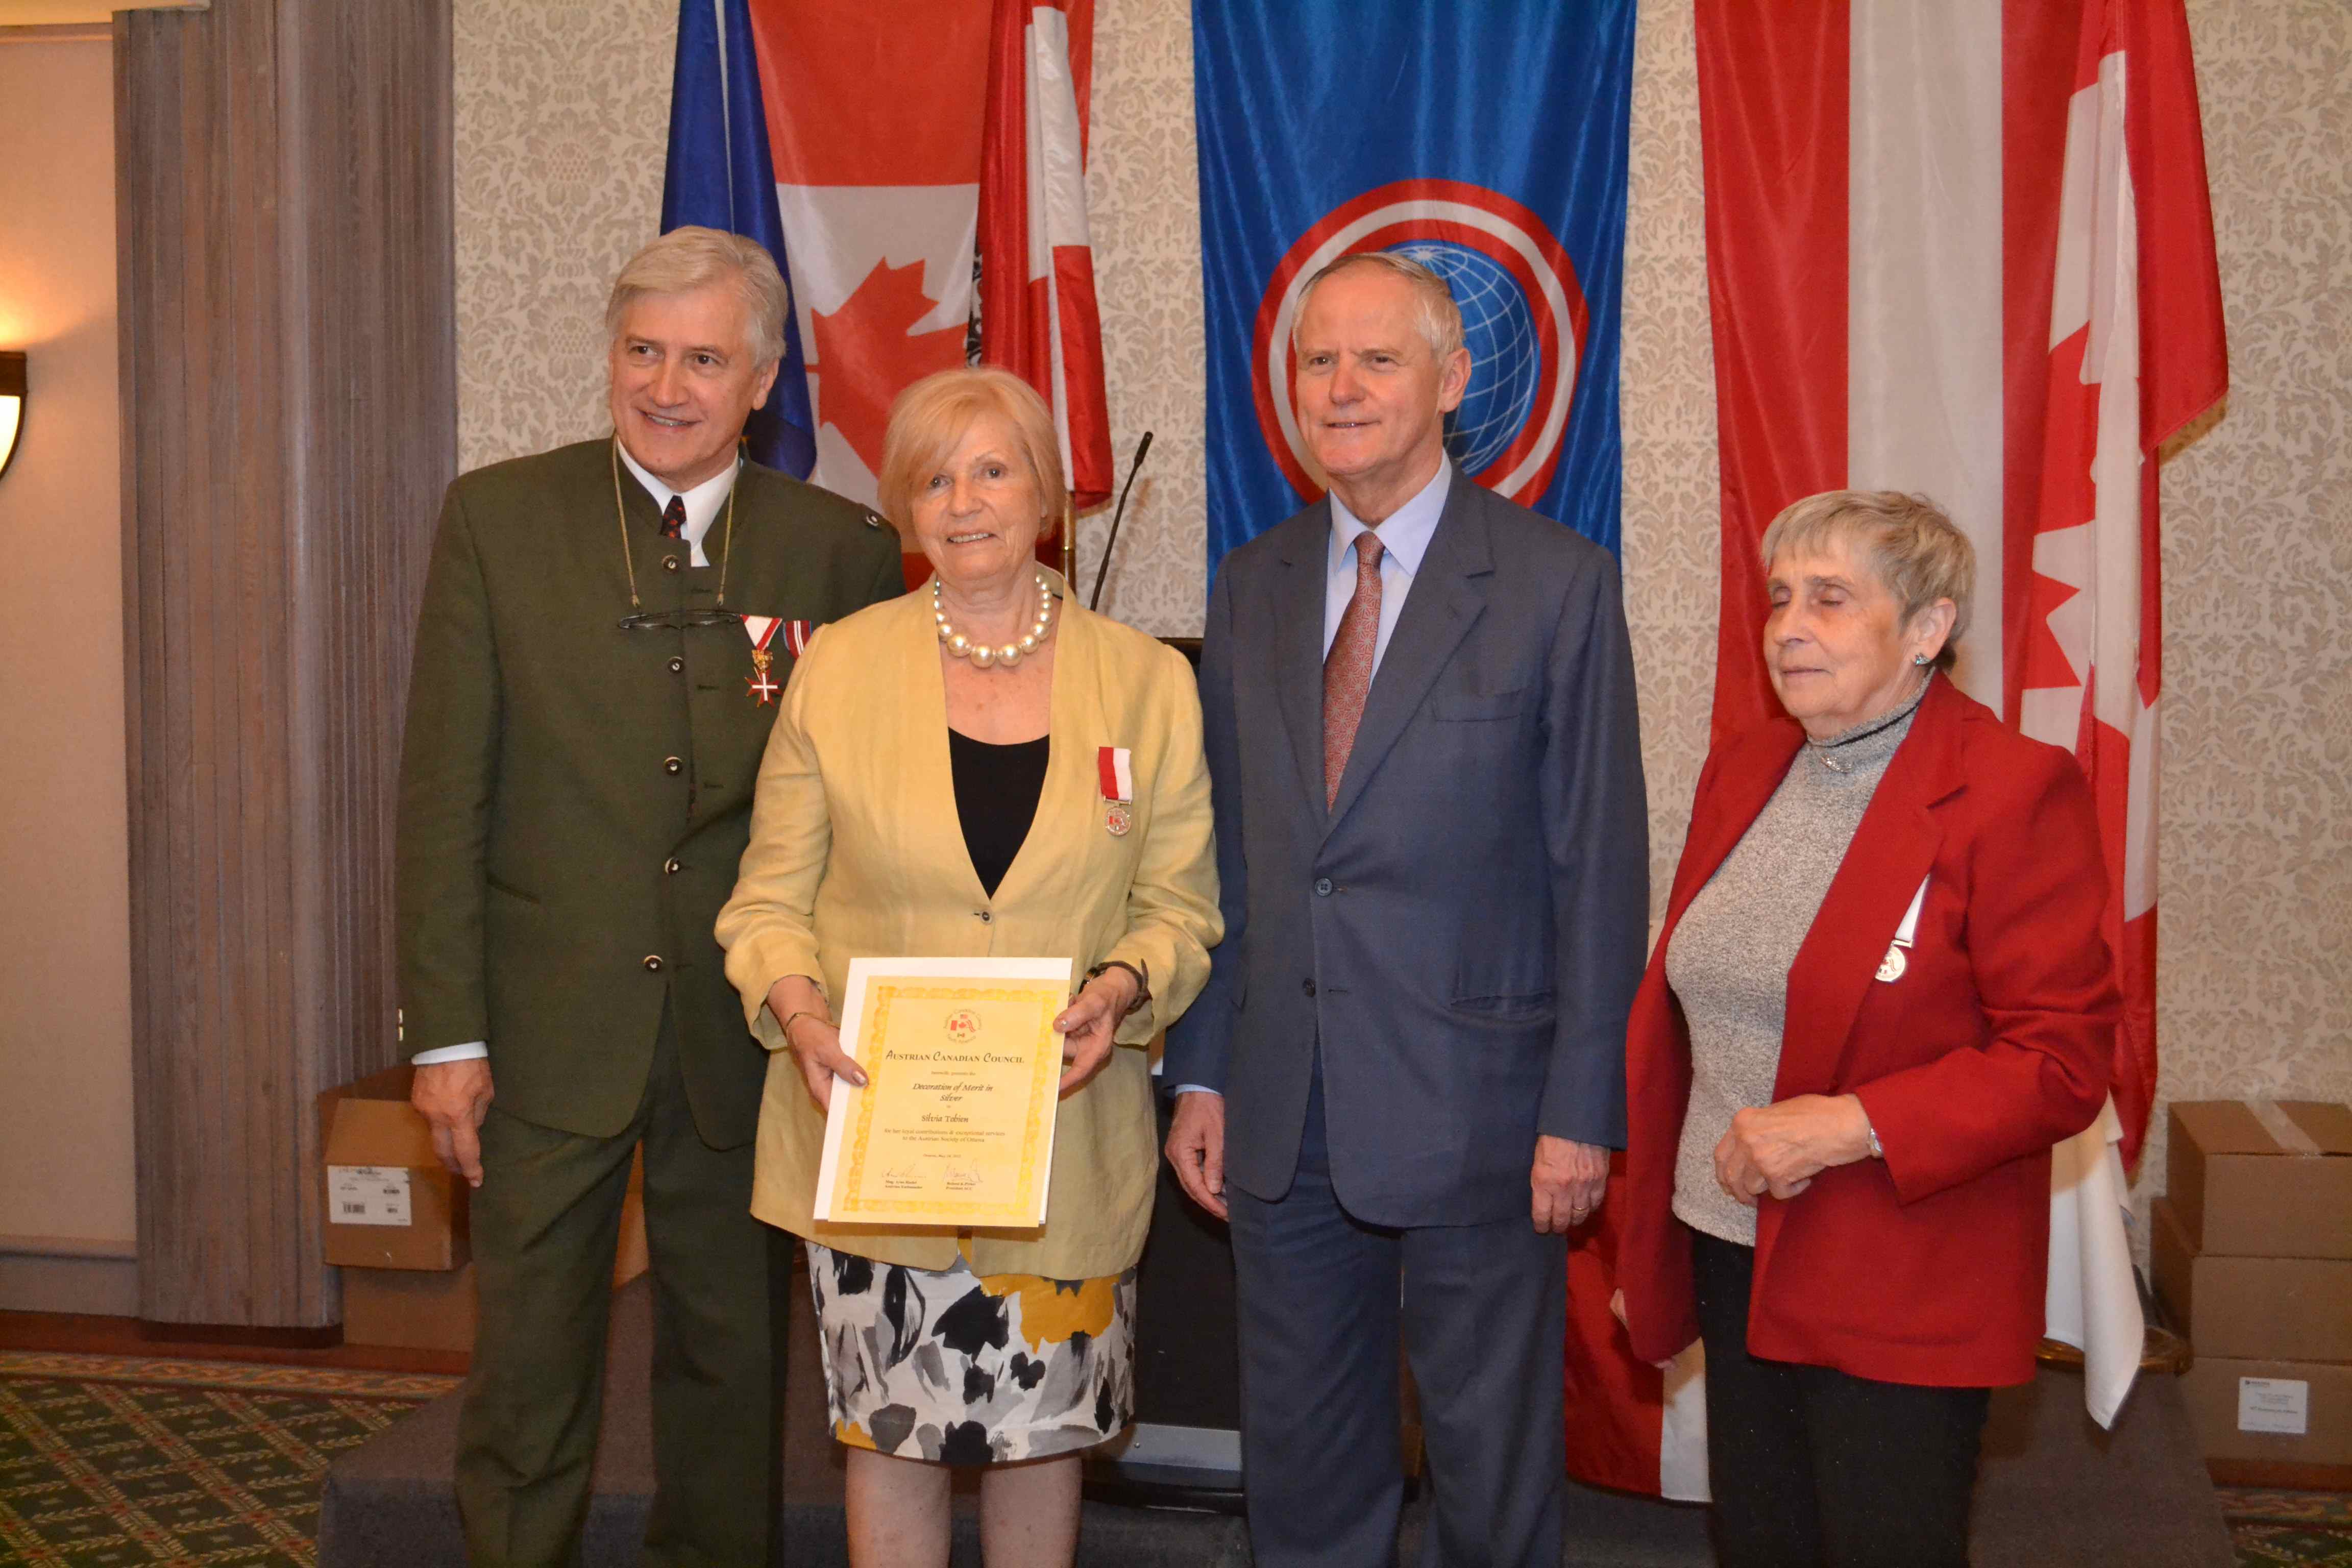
column 954, row 1125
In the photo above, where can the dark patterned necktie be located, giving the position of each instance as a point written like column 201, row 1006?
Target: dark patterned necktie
column 1347, row 668
column 674, row 517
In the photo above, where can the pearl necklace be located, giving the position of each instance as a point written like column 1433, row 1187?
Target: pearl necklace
column 982, row 654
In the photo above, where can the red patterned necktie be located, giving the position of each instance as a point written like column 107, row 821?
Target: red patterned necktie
column 1347, row 668
column 674, row 517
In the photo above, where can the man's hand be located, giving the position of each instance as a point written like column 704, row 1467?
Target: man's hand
column 1780, row 1148
column 1196, row 1147
column 1088, row 1024
column 453, row 1098
column 813, row 1037
column 1567, row 1182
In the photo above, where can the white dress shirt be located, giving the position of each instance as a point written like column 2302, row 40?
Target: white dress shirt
column 702, row 502
column 702, row 506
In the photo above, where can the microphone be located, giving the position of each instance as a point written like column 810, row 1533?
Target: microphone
column 1102, row 568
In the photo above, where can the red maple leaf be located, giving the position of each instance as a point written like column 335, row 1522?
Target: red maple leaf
column 867, row 353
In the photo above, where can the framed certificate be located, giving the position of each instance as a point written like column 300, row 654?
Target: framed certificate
column 955, row 1124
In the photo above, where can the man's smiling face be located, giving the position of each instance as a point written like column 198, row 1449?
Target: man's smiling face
column 684, row 380
column 1372, row 394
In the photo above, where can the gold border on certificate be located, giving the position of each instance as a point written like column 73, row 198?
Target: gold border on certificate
column 1002, row 1178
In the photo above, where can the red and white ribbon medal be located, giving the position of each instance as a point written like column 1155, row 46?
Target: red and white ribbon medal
column 1117, row 777
column 761, row 631
column 796, row 637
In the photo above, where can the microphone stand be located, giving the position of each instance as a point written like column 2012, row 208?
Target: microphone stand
column 1102, row 569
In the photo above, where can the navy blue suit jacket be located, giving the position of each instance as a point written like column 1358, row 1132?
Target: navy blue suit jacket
column 1463, row 929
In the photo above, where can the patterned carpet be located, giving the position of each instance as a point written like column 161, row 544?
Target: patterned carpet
column 2305, row 1530
column 121, row 1462
column 112, row 1461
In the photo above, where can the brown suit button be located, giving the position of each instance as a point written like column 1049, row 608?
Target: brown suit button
column 675, row 663
column 672, row 765
column 653, row 963
column 670, row 866
column 669, row 562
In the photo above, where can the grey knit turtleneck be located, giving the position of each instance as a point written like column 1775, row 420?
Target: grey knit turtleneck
column 1728, row 962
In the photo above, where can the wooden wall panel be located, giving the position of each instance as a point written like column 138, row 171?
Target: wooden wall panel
column 289, row 420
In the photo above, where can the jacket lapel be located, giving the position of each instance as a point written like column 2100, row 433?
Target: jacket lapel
column 1070, row 807
column 1298, row 646
column 1738, row 798
column 1895, row 848
column 1448, row 595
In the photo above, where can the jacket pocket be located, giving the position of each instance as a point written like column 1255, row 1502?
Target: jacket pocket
column 517, row 894
column 1518, row 1005
column 1467, row 707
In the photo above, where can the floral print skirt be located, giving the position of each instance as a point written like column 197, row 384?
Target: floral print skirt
column 967, row 1369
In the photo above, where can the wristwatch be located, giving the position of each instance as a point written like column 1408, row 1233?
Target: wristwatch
column 1142, row 983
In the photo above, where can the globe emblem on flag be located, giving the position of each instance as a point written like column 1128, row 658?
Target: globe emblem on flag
column 1498, row 328
column 1523, row 319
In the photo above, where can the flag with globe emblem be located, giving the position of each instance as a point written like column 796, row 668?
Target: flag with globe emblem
column 1485, row 139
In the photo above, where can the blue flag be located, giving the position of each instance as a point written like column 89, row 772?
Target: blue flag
column 721, row 175
column 1484, row 138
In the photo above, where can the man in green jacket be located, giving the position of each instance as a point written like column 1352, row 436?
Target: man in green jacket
column 604, row 632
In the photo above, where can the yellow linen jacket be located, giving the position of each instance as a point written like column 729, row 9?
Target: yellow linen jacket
column 856, row 851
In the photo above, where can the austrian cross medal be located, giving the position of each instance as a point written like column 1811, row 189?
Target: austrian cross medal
column 761, row 631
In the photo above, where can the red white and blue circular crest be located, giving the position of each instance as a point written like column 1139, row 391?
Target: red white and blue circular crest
column 1523, row 319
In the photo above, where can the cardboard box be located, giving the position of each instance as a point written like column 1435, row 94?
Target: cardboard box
column 390, row 1204
column 2267, row 1179
column 2289, row 1309
column 409, row 1309
column 397, row 1222
column 2286, row 1411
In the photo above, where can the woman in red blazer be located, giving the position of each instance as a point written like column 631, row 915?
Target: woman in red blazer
column 1881, row 994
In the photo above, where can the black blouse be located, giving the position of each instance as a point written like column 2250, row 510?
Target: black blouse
column 996, row 792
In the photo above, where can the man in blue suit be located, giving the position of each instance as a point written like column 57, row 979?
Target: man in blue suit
column 1405, row 1076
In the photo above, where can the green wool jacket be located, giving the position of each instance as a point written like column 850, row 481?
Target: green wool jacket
column 575, row 798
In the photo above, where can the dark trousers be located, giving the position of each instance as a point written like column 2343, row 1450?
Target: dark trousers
column 546, row 1222
column 1322, row 1298
column 1813, row 1467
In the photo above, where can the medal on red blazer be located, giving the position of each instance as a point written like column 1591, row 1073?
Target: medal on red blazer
column 761, row 631
column 1892, row 966
column 1116, row 774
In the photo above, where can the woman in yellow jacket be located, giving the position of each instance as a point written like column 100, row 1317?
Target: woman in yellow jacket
column 933, row 788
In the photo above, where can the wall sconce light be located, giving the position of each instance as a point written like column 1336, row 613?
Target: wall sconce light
column 12, row 404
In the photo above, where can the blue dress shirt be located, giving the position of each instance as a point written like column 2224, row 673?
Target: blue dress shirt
column 1404, row 536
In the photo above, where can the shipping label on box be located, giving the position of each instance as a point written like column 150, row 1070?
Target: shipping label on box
column 2274, row 1405
column 369, row 1195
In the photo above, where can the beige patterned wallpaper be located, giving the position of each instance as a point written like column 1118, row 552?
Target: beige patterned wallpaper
column 562, row 110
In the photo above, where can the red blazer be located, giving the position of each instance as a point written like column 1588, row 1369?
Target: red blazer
column 1927, row 1266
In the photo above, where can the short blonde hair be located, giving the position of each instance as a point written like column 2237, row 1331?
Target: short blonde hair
column 693, row 258
column 1441, row 317
column 1910, row 544
column 930, row 417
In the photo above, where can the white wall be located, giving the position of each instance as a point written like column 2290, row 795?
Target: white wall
column 66, row 1151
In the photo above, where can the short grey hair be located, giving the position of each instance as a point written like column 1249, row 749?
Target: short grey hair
column 693, row 258
column 1441, row 317
column 1912, row 546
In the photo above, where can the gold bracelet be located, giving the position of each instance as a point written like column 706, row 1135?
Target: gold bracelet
column 797, row 1018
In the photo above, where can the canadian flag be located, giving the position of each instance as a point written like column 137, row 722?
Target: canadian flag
column 1038, row 317
column 1966, row 249
column 875, row 132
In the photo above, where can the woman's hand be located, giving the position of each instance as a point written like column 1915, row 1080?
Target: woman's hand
column 1782, row 1147
column 1087, row 1023
column 815, row 1040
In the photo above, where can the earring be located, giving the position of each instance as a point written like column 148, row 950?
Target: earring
column 1918, row 659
